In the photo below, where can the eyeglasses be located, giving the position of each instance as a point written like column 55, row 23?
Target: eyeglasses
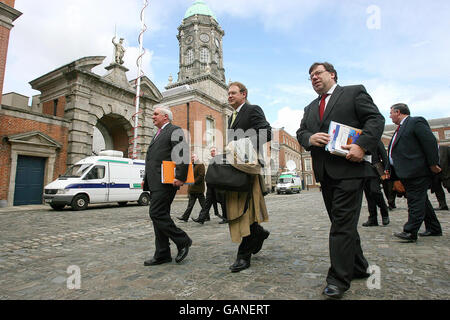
column 317, row 73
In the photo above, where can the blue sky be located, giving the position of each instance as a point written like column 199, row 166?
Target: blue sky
column 399, row 50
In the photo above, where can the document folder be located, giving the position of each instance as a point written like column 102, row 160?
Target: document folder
column 168, row 172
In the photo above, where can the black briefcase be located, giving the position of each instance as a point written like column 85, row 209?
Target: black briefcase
column 222, row 175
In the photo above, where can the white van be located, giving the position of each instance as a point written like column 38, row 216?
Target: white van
column 105, row 178
column 288, row 183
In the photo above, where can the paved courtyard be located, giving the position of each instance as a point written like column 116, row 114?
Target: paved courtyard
column 42, row 252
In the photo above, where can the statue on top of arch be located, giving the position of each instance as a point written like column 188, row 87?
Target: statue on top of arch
column 119, row 51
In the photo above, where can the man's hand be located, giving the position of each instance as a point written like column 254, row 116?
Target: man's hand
column 177, row 183
column 436, row 169
column 319, row 139
column 355, row 154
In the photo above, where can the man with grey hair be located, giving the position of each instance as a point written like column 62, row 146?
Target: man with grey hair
column 168, row 144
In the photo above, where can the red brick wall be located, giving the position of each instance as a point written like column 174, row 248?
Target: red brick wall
column 4, row 40
column 9, row 2
column 11, row 125
column 197, row 112
column 48, row 107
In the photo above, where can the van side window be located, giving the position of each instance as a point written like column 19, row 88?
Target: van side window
column 97, row 172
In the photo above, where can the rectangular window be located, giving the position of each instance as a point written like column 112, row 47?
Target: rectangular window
column 55, row 107
column 436, row 134
column 309, row 180
column 210, row 129
column 447, row 134
column 308, row 165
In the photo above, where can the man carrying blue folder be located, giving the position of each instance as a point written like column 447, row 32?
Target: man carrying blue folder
column 341, row 178
column 168, row 144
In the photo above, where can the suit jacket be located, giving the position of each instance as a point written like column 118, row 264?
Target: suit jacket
column 248, row 118
column 414, row 149
column 159, row 150
column 199, row 179
column 352, row 106
column 444, row 155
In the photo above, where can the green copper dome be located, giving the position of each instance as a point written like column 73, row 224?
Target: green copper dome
column 199, row 7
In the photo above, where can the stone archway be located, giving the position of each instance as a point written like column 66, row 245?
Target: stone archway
column 112, row 132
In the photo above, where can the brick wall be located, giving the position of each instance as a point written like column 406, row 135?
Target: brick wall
column 4, row 39
column 11, row 125
column 48, row 107
column 9, row 2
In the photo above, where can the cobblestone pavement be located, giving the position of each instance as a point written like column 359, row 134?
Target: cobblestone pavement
column 41, row 249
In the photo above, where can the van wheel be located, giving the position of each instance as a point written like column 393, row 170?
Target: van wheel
column 80, row 202
column 57, row 207
column 122, row 203
column 144, row 199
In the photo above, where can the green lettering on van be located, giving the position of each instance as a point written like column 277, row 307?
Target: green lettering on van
column 115, row 161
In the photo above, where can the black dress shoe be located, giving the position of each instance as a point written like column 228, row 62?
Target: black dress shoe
column 442, row 208
column 183, row 252
column 385, row 221
column 240, row 264
column 430, row 234
column 198, row 220
column 369, row 223
column 263, row 236
column 155, row 262
column 392, row 207
column 409, row 237
column 333, row 292
column 223, row 221
column 182, row 219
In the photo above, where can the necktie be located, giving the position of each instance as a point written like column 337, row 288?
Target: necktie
column 322, row 106
column 392, row 144
column 157, row 133
column 233, row 118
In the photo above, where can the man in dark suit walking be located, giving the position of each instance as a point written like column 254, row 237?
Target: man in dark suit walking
column 341, row 178
column 413, row 158
column 372, row 189
column 168, row 144
column 195, row 190
column 248, row 121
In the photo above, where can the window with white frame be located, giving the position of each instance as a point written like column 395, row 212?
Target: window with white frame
column 309, row 180
column 210, row 129
column 204, row 55
column 308, row 164
column 190, row 56
column 447, row 134
column 436, row 134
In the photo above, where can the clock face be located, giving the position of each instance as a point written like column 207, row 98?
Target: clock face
column 204, row 37
column 216, row 41
column 189, row 39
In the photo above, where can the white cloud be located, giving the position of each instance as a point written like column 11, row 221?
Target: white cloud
column 289, row 119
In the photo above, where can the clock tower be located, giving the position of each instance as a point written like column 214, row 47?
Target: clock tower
column 201, row 52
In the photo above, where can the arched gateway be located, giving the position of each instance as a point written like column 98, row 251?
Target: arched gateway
column 100, row 109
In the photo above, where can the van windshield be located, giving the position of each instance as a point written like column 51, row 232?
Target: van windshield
column 76, row 171
column 285, row 180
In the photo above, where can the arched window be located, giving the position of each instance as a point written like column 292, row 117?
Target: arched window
column 190, row 56
column 204, row 55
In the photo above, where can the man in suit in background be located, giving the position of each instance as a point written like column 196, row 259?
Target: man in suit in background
column 444, row 157
column 341, row 178
column 438, row 179
column 168, row 144
column 414, row 158
column 372, row 189
column 211, row 200
column 248, row 121
column 195, row 190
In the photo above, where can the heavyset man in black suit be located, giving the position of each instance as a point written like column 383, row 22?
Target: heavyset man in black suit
column 414, row 158
column 341, row 178
column 167, row 145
